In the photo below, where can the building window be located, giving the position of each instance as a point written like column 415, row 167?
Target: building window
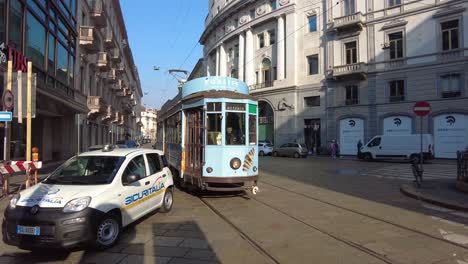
column 450, row 85
column 350, row 7
column 396, row 45
column 392, row 3
column 2, row 19
column 234, row 73
column 35, row 41
column 313, row 23
column 450, row 39
column 16, row 25
column 397, row 91
column 62, row 63
column 51, row 55
column 261, row 40
column 272, row 37
column 312, row 101
column 352, row 95
column 351, row 52
column 273, row 5
column 252, row 14
column 266, row 70
column 313, row 64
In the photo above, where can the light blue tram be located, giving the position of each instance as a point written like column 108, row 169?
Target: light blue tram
column 209, row 134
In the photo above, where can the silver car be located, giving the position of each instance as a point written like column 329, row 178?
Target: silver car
column 295, row 150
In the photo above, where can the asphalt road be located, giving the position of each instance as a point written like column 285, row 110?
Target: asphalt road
column 313, row 210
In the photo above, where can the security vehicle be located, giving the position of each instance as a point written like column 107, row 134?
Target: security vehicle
column 209, row 133
column 398, row 147
column 90, row 198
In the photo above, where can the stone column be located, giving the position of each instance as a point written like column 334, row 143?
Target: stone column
column 280, row 43
column 222, row 61
column 217, row 61
column 249, row 55
column 291, row 50
column 241, row 65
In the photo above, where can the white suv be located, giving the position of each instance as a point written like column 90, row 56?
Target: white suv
column 89, row 199
column 264, row 149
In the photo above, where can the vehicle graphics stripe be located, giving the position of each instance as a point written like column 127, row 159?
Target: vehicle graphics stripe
column 144, row 199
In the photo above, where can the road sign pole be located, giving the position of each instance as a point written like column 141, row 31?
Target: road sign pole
column 29, row 113
column 421, row 157
column 6, row 145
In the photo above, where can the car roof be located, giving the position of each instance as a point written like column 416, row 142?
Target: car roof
column 121, row 152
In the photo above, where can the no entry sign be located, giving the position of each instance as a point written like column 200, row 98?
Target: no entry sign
column 8, row 101
column 422, row 108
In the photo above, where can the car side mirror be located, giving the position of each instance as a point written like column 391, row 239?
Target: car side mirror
column 131, row 179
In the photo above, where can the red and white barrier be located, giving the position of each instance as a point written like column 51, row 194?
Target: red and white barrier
column 19, row 166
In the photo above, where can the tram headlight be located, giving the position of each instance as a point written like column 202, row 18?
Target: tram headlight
column 255, row 169
column 209, row 170
column 235, row 163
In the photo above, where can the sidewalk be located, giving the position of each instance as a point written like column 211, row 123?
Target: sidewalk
column 441, row 192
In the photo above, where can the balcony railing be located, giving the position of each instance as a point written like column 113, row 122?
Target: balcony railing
column 397, row 98
column 96, row 105
column 103, row 61
column 116, row 55
column 109, row 40
column 350, row 69
column 347, row 22
column 111, row 76
column 450, row 54
column 98, row 12
column 109, row 114
column 88, row 39
column 265, row 84
column 353, row 101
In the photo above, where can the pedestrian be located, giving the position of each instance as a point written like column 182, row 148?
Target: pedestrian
column 359, row 146
column 334, row 149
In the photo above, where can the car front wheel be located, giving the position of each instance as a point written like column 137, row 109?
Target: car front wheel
column 167, row 201
column 108, row 231
column 261, row 153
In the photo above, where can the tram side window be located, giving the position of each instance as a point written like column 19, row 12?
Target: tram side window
column 214, row 129
column 252, row 129
column 235, row 129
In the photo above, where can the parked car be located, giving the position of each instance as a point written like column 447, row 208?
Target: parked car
column 404, row 147
column 295, row 150
column 265, row 141
column 89, row 199
column 265, row 149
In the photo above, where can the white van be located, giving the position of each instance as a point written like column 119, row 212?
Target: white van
column 406, row 147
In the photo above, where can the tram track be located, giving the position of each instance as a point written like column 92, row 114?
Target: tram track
column 362, row 214
column 272, row 259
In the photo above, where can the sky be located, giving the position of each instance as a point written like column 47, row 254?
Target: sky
column 163, row 34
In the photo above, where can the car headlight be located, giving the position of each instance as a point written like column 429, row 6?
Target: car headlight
column 77, row 204
column 14, row 200
column 235, row 163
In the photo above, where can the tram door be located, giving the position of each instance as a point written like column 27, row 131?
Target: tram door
column 194, row 144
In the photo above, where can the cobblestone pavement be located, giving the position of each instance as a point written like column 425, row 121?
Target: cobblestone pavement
column 313, row 210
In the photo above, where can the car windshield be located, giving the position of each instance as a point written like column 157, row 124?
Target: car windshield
column 86, row 170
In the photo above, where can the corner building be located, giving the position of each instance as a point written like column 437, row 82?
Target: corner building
column 346, row 70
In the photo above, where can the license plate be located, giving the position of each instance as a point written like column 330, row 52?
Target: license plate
column 28, row 230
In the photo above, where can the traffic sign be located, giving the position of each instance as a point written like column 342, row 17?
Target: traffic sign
column 8, row 100
column 422, row 108
column 6, row 116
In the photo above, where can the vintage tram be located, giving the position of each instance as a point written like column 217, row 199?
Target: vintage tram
column 209, row 135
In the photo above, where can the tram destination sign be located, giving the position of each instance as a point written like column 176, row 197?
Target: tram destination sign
column 235, row 107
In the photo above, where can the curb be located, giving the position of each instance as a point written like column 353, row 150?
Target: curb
column 410, row 192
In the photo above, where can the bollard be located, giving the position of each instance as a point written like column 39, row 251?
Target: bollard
column 35, row 157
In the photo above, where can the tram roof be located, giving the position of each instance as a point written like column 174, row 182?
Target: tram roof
column 217, row 94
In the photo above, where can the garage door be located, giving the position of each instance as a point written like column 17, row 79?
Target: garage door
column 450, row 134
column 397, row 125
column 351, row 131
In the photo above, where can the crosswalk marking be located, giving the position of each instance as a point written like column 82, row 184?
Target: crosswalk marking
column 404, row 172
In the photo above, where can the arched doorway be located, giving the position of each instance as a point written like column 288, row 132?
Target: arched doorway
column 266, row 122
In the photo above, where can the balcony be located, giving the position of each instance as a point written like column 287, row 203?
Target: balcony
column 120, row 68
column 349, row 70
column 118, row 85
column 88, row 39
column 265, row 84
column 115, row 55
column 117, row 116
column 351, row 22
column 103, row 61
column 111, row 76
column 109, row 114
column 448, row 55
column 98, row 13
column 122, row 93
column 96, row 106
column 121, row 121
column 109, row 41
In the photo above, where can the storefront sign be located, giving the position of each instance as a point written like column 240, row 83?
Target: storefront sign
column 20, row 61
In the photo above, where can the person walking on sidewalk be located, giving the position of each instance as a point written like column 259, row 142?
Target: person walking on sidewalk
column 359, row 146
column 334, row 149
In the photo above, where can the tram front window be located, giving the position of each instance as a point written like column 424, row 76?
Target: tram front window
column 214, row 129
column 235, row 129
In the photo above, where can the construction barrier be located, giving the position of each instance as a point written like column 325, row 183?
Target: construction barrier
column 18, row 166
